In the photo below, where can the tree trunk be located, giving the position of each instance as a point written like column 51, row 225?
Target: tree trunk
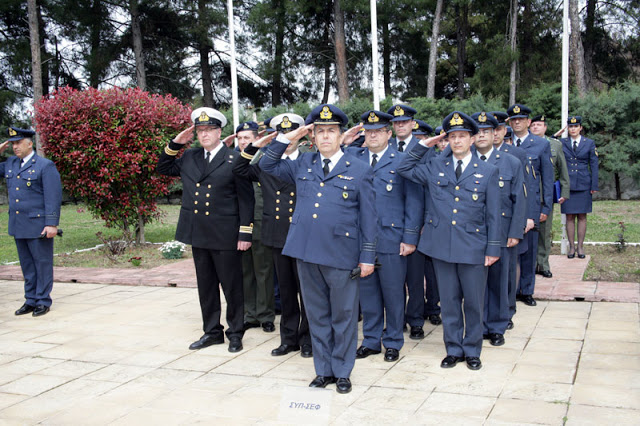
column 340, row 46
column 433, row 51
column 327, row 63
column 589, row 42
column 278, row 60
column 513, row 44
column 386, row 57
column 36, row 63
column 204, row 49
column 618, row 190
column 462, row 24
column 141, row 75
column 94, row 61
column 140, row 239
column 45, row 57
column 576, row 49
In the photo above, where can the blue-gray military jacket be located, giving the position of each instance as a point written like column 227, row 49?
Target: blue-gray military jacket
column 399, row 202
column 463, row 221
column 335, row 221
column 538, row 153
column 35, row 195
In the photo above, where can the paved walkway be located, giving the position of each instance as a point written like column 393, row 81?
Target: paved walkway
column 113, row 354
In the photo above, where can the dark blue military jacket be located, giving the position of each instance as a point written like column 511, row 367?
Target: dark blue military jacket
column 463, row 220
column 335, row 221
column 398, row 202
column 35, row 195
column 539, row 155
column 583, row 164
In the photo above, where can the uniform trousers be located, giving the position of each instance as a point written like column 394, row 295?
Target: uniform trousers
column 528, row 264
column 458, row 282
column 432, row 304
column 544, row 242
column 36, row 261
column 294, row 327
column 257, row 267
column 331, row 300
column 496, row 303
column 381, row 294
column 215, row 268
column 414, row 314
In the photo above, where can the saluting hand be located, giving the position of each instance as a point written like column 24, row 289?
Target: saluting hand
column 264, row 141
column 490, row 260
column 351, row 135
column 559, row 132
column 228, row 141
column 185, row 136
column 299, row 133
column 3, row 146
column 432, row 141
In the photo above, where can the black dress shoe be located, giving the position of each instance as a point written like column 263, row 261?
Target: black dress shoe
column 248, row 325
column 496, row 339
column 546, row 274
column 268, row 327
column 474, row 363
column 404, row 327
column 25, row 309
column 235, row 344
column 284, row 349
column 510, row 325
column 364, row 352
column 528, row 300
column 343, row 385
column 450, row 361
column 322, row 381
column 581, row 256
column 435, row 319
column 417, row 333
column 307, row 351
column 571, row 255
column 40, row 310
column 391, row 355
column 485, row 337
column 206, row 340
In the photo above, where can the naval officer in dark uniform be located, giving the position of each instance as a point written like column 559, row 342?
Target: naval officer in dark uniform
column 582, row 158
column 35, row 196
column 333, row 237
column 279, row 206
column 215, row 218
column 399, row 208
column 462, row 233
column 513, row 206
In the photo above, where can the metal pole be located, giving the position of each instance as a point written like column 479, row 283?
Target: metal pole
column 565, row 101
column 234, row 76
column 374, row 54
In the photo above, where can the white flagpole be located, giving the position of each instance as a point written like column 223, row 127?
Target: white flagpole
column 565, row 101
column 374, row 54
column 234, row 76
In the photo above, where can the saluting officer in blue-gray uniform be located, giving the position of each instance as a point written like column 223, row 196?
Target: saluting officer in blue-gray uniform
column 513, row 206
column 539, row 155
column 332, row 233
column 35, row 196
column 502, row 143
column 403, row 124
column 462, row 233
column 422, row 131
column 399, row 208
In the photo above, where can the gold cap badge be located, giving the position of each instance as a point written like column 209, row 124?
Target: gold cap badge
column 286, row 123
column 415, row 126
column 246, row 125
column 326, row 113
column 203, row 117
column 573, row 120
column 12, row 132
column 373, row 118
column 482, row 118
column 456, row 120
column 516, row 109
column 398, row 111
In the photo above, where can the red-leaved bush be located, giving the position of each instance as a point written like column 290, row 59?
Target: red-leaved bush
column 106, row 144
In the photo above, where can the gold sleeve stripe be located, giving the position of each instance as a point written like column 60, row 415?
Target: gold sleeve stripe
column 246, row 229
column 247, row 156
column 171, row 152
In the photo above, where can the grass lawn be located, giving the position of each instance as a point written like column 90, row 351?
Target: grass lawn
column 80, row 229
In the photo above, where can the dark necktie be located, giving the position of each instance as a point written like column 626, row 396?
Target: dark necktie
column 483, row 158
column 374, row 160
column 575, row 146
column 458, row 169
column 325, row 169
column 518, row 142
column 401, row 146
column 207, row 157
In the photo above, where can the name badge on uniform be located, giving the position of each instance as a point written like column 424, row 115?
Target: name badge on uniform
column 389, row 187
column 475, row 197
column 345, row 195
column 440, row 174
column 501, row 184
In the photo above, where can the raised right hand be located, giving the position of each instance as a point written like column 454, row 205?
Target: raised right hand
column 185, row 136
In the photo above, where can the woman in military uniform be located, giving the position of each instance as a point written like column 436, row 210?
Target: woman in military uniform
column 582, row 159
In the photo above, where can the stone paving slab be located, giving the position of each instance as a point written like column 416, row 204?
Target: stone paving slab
column 117, row 355
column 566, row 283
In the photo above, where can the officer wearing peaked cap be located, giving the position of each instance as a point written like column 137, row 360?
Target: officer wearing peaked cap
column 462, row 233
column 35, row 195
column 279, row 206
column 512, row 211
column 333, row 232
column 538, row 153
column 215, row 218
column 399, row 208
column 421, row 129
column 403, row 125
